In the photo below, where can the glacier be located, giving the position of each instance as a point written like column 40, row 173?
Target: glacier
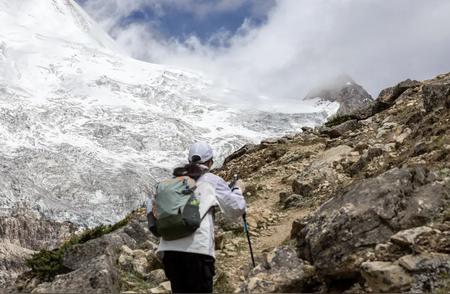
column 86, row 131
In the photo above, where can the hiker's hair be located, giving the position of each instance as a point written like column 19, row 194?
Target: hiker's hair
column 193, row 170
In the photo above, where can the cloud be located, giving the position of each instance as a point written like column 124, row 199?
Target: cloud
column 303, row 42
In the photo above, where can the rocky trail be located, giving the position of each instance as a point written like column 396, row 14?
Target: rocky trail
column 359, row 205
column 269, row 226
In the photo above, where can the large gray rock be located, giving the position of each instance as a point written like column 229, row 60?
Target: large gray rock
column 341, row 129
column 98, row 276
column 343, row 231
column 389, row 95
column 96, row 267
column 281, row 272
column 435, row 96
column 20, row 235
column 386, row 276
column 12, row 262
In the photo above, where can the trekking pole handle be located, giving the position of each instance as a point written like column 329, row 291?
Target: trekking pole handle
column 233, row 181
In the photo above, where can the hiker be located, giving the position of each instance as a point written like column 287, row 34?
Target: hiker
column 189, row 260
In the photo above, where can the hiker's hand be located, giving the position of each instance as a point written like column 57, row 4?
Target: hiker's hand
column 241, row 185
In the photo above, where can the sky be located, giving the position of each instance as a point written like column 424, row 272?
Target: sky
column 279, row 49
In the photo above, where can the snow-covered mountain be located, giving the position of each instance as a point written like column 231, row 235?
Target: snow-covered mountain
column 85, row 131
column 343, row 90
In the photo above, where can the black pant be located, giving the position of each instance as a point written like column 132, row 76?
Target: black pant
column 189, row 272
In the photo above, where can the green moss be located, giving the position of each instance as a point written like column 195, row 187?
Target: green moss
column 291, row 243
column 46, row 264
column 222, row 283
column 444, row 281
column 132, row 281
column 338, row 119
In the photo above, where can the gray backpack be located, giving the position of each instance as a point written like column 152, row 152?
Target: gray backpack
column 176, row 209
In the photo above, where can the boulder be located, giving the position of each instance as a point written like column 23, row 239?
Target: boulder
column 80, row 254
column 281, row 272
column 99, row 276
column 435, row 96
column 386, row 277
column 12, row 262
column 388, row 251
column 305, row 186
column 341, row 129
column 96, row 265
column 389, row 95
column 337, row 238
column 290, row 200
column 425, row 262
column 408, row 237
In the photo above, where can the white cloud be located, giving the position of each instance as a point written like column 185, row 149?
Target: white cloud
column 377, row 42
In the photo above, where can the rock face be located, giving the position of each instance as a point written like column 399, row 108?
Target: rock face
column 345, row 91
column 21, row 234
column 364, row 217
column 119, row 261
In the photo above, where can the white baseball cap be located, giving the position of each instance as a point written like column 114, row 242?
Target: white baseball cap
column 202, row 150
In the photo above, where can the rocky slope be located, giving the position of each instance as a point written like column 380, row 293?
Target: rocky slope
column 373, row 189
column 359, row 205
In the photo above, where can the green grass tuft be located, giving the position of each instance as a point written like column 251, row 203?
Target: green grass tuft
column 338, row 119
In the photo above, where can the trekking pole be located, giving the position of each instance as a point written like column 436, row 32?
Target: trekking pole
column 244, row 217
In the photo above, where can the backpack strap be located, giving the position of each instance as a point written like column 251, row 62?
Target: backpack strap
column 213, row 209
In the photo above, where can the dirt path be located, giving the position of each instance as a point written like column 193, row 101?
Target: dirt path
column 233, row 266
column 281, row 232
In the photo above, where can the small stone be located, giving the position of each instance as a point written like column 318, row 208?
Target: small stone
column 139, row 253
column 304, row 187
column 126, row 250
column 251, row 221
column 374, row 152
column 231, row 253
column 407, row 237
column 420, row 148
column 389, row 147
column 141, row 266
column 253, row 283
column 148, row 245
column 162, row 288
column 361, row 146
column 401, row 138
column 157, row 276
column 230, row 247
column 125, row 260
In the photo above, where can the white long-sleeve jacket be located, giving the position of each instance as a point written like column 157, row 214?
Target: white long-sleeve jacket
column 212, row 191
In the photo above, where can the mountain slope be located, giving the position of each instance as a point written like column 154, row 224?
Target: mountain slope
column 86, row 131
column 365, row 201
column 364, row 210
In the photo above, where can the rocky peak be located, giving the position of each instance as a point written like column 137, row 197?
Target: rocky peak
column 344, row 90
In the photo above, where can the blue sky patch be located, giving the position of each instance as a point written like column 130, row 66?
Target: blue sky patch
column 180, row 23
